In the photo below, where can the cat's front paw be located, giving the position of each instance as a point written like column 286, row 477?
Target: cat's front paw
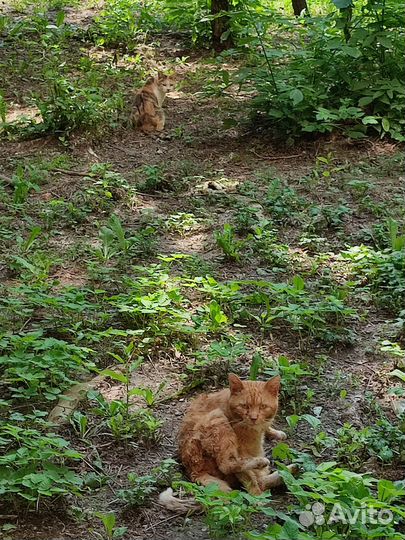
column 258, row 463
column 276, row 434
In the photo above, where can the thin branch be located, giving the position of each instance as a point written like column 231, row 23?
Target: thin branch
column 276, row 158
column 7, row 180
column 162, row 521
column 71, row 173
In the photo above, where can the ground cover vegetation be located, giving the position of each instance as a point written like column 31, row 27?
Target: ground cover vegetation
column 262, row 233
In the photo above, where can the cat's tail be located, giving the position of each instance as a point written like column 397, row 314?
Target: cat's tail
column 175, row 504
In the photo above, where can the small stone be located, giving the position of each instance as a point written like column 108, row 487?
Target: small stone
column 399, row 406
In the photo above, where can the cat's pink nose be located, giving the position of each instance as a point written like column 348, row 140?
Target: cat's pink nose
column 254, row 419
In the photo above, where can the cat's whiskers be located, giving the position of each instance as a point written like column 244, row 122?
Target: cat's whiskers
column 244, row 422
column 236, row 422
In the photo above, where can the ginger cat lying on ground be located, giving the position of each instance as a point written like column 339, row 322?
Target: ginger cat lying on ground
column 148, row 114
column 222, row 436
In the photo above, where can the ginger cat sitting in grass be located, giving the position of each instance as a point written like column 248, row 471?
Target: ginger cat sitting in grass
column 148, row 114
column 222, row 436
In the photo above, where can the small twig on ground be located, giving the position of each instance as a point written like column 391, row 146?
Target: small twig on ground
column 71, row 173
column 361, row 364
column 24, row 325
column 275, row 158
column 111, row 488
column 109, row 484
column 370, row 380
column 154, row 195
column 162, row 521
column 7, row 180
column 95, row 469
column 105, row 445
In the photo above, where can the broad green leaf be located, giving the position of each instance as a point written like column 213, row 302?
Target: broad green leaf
column 366, row 100
column 385, row 42
column 388, row 491
column 275, row 113
column 385, row 124
column 25, row 264
column 119, row 532
column 257, row 362
column 369, row 120
column 60, row 17
column 298, row 283
column 35, row 232
column 292, row 420
column 325, row 466
column 313, row 421
column 398, row 373
column 108, row 522
column 281, row 451
column 283, row 361
column 355, row 133
column 117, row 357
column 354, row 52
column 297, row 96
column 116, row 376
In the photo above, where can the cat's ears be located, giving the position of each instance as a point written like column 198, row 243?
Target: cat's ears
column 161, row 76
column 273, row 385
column 235, row 384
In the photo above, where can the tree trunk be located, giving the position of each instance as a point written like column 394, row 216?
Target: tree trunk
column 220, row 25
column 348, row 15
column 299, row 6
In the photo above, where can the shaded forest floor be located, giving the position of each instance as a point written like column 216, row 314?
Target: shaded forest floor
column 294, row 212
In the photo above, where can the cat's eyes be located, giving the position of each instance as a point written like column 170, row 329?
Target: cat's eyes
column 246, row 407
column 243, row 408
